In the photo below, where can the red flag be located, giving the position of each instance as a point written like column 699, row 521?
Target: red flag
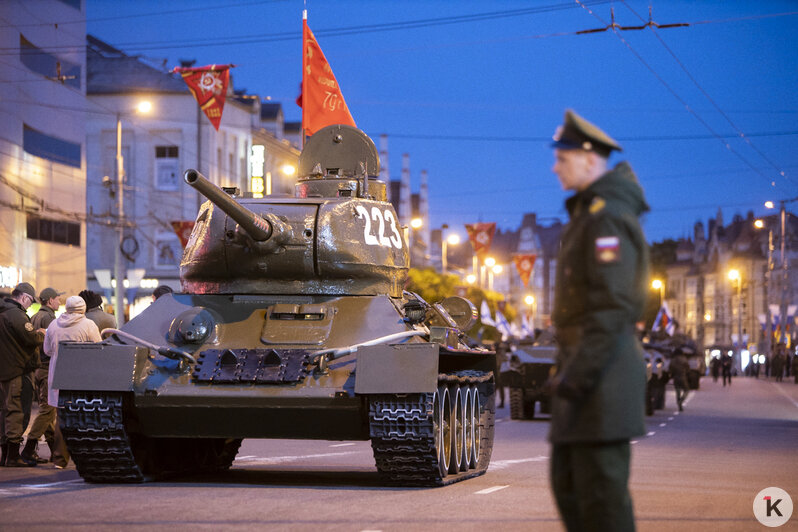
column 481, row 236
column 208, row 84
column 183, row 230
column 322, row 101
column 524, row 264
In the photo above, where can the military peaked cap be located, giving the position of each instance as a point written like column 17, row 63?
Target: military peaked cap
column 576, row 133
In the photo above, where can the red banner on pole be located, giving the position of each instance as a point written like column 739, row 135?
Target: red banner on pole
column 321, row 99
column 183, row 230
column 481, row 237
column 524, row 264
column 208, row 84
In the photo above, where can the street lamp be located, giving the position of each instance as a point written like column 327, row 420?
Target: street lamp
column 657, row 284
column 453, row 239
column 141, row 107
column 760, row 224
column 734, row 276
column 496, row 269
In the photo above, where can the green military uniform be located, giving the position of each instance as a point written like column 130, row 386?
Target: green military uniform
column 599, row 388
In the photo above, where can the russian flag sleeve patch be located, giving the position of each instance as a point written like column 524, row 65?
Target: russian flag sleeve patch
column 608, row 249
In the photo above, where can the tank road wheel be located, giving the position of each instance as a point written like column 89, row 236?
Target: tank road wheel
column 432, row 439
column 437, row 428
column 476, row 435
column 445, row 449
column 457, row 430
column 468, row 428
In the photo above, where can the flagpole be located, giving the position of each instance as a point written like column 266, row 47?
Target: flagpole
column 304, row 91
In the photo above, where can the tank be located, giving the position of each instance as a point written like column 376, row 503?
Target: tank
column 528, row 367
column 292, row 322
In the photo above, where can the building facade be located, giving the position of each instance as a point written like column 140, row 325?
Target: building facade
column 43, row 215
column 157, row 148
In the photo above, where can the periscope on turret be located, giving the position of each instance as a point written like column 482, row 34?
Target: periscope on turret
column 292, row 322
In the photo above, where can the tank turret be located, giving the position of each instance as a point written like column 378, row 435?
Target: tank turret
column 337, row 235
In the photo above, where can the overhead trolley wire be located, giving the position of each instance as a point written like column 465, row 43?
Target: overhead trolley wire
column 679, row 98
column 740, row 132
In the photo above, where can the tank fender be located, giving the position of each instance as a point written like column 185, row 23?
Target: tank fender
column 403, row 368
column 97, row 367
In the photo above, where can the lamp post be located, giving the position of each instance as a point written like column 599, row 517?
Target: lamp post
column 657, row 284
column 734, row 275
column 453, row 240
column 759, row 224
column 119, row 273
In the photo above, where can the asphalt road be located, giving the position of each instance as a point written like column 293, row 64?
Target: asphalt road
column 695, row 470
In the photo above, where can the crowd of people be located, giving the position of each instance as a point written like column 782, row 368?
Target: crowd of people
column 28, row 351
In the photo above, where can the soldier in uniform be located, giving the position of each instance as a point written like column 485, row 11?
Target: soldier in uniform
column 18, row 342
column 44, row 422
column 601, row 285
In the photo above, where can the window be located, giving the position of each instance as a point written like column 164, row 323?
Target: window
column 52, row 148
column 166, row 168
column 55, row 231
column 168, row 250
column 48, row 65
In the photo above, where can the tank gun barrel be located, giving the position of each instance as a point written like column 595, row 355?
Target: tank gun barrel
column 258, row 228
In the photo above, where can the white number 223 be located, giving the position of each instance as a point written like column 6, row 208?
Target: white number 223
column 381, row 220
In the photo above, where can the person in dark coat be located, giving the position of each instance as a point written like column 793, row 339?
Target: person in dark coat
column 601, row 287
column 779, row 361
column 44, row 422
column 95, row 312
column 161, row 290
column 678, row 370
column 726, row 368
column 18, row 342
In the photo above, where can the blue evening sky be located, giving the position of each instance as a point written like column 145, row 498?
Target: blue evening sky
column 473, row 90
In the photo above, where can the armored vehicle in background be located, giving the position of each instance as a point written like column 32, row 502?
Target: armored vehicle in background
column 525, row 373
column 292, row 323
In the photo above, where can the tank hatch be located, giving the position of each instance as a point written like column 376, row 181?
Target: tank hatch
column 340, row 161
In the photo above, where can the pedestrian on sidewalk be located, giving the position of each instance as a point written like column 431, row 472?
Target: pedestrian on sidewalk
column 74, row 326
column 44, row 422
column 726, row 368
column 600, row 293
column 779, row 360
column 18, row 342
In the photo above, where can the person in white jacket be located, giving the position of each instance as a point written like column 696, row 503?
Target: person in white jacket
column 73, row 326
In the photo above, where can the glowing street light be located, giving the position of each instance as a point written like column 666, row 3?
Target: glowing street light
column 471, row 278
column 288, row 169
column 119, row 309
column 453, row 239
column 529, row 300
column 734, row 275
column 416, row 223
column 657, row 284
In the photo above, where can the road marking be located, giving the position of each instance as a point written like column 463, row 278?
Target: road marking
column 13, row 491
column 782, row 392
column 490, row 490
column 342, row 445
column 670, row 418
column 662, row 424
column 504, row 464
column 651, row 433
column 285, row 459
column 633, row 442
column 248, row 457
column 51, row 484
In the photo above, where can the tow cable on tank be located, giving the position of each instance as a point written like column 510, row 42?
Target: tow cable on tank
column 166, row 351
column 325, row 356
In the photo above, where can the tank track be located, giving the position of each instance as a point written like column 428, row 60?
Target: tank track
column 402, row 433
column 93, row 425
